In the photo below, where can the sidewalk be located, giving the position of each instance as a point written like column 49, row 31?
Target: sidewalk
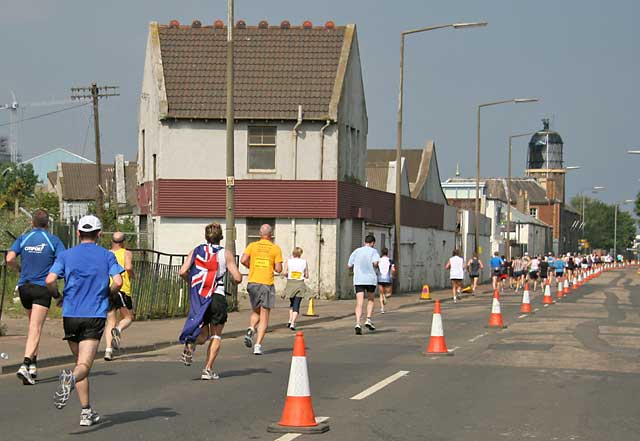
column 150, row 335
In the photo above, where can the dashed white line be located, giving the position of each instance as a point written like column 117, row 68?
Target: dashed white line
column 453, row 349
column 376, row 387
column 292, row 436
column 536, row 310
column 522, row 316
column 477, row 337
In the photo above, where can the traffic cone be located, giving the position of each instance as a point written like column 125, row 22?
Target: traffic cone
column 547, row 299
column 437, row 345
column 526, row 301
column 426, row 294
column 559, row 291
column 565, row 289
column 574, row 284
column 495, row 319
column 311, row 311
column 298, row 415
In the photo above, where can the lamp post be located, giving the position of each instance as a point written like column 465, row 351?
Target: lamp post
column 398, row 193
column 477, row 207
column 615, row 226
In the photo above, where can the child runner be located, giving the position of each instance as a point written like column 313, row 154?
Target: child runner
column 297, row 271
column 86, row 269
column 386, row 272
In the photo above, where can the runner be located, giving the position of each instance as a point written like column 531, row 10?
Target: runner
column 455, row 265
column 518, row 272
column 474, row 267
column 571, row 267
column 37, row 250
column 85, row 269
column 204, row 269
column 534, row 268
column 296, row 271
column 122, row 302
column 544, row 272
column 364, row 261
column 496, row 270
column 386, row 273
column 262, row 258
column 506, row 273
column 559, row 265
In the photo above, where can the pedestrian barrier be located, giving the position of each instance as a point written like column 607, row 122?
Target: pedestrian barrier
column 495, row 319
column 426, row 293
column 311, row 311
column 437, row 345
column 525, row 308
column 298, row 415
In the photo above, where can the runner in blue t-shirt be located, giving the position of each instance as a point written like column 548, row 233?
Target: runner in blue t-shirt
column 496, row 263
column 86, row 269
column 37, row 250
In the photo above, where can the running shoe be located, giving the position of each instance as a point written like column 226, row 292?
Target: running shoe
column 23, row 374
column 257, row 349
column 66, row 385
column 292, row 326
column 358, row 330
column 209, row 375
column 384, row 299
column 248, row 338
column 88, row 417
column 187, row 356
column 382, row 311
column 108, row 354
column 115, row 333
column 289, row 325
column 369, row 325
column 33, row 371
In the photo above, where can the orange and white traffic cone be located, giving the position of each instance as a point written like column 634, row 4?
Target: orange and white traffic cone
column 565, row 289
column 495, row 319
column 298, row 415
column 437, row 345
column 574, row 284
column 547, row 299
column 560, row 290
column 526, row 301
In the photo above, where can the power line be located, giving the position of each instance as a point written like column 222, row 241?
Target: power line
column 42, row 115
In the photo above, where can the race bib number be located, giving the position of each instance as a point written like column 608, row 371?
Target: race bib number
column 296, row 275
column 262, row 263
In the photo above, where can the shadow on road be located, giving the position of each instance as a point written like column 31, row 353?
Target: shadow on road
column 129, row 417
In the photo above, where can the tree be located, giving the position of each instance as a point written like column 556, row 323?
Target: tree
column 599, row 224
column 46, row 200
column 17, row 183
column 637, row 205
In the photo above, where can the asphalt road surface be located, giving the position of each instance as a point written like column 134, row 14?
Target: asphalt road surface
column 568, row 372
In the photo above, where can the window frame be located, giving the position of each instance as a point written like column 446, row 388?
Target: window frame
column 251, row 146
column 256, row 223
column 533, row 212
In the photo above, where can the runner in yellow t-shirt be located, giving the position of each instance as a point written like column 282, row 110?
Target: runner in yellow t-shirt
column 262, row 258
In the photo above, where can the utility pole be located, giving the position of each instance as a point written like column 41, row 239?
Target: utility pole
column 96, row 92
column 230, row 219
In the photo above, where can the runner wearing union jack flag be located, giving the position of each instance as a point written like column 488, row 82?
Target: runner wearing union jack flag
column 204, row 270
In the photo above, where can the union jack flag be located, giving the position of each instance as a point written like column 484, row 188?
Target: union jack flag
column 204, row 272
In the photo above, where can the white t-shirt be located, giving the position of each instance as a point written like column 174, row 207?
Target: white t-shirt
column 456, row 270
column 535, row 265
column 384, row 269
column 295, row 268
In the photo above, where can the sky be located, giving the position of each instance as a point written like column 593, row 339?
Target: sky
column 581, row 58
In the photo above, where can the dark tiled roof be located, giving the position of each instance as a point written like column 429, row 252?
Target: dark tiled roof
column 275, row 71
column 496, row 189
column 79, row 181
column 413, row 158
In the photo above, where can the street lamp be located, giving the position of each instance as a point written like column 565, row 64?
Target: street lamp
column 477, row 210
column 615, row 226
column 398, row 194
column 573, row 167
column 633, row 152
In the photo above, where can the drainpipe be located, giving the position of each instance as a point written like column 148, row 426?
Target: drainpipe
column 328, row 123
column 319, row 241
column 296, row 128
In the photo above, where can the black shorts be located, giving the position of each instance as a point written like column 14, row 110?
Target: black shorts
column 474, row 276
column 77, row 329
column 365, row 288
column 518, row 274
column 294, row 303
column 120, row 300
column 384, row 284
column 31, row 294
column 497, row 273
column 217, row 312
column 533, row 275
column 559, row 273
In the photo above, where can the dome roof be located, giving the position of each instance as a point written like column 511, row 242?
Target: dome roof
column 541, row 136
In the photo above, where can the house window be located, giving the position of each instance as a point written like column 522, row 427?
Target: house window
column 262, row 148
column 533, row 212
column 253, row 227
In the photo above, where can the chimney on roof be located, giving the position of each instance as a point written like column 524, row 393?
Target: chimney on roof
column 241, row 24
column 285, row 24
column 457, row 169
column 329, row 25
column 174, row 24
column 307, row 24
column 264, row 24
column 218, row 24
column 196, row 24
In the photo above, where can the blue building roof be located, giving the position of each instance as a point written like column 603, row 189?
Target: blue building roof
column 48, row 162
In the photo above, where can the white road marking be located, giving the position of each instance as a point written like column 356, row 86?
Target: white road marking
column 546, row 305
column 522, row 316
column 376, row 387
column 292, row 436
column 454, row 348
column 536, row 310
column 477, row 337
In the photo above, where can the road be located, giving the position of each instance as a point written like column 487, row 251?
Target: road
column 568, row 372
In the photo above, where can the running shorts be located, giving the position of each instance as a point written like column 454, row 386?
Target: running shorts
column 533, row 275
column 559, row 273
column 261, row 295
column 384, row 284
column 216, row 314
column 77, row 329
column 474, row 275
column 365, row 288
column 31, row 294
column 294, row 303
column 120, row 300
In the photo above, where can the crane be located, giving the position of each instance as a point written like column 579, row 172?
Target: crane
column 14, row 107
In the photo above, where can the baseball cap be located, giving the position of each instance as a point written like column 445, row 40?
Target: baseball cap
column 89, row 223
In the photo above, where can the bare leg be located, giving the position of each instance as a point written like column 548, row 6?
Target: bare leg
column 359, row 304
column 255, row 318
column 294, row 316
column 214, row 345
column 370, row 303
column 37, row 316
column 381, row 295
column 85, row 353
column 126, row 319
column 262, row 324
column 111, row 323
